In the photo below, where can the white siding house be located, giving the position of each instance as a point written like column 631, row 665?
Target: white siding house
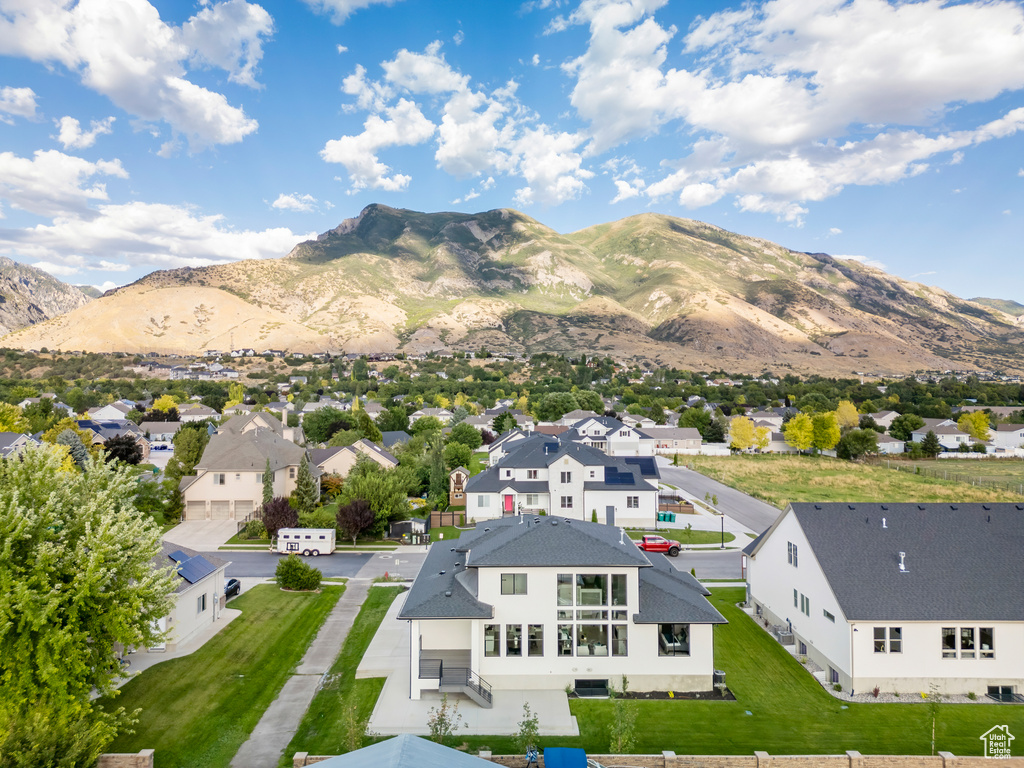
column 198, row 599
column 542, row 603
column 899, row 596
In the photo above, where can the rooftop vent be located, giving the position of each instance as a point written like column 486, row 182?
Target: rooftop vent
column 817, row 506
column 448, row 593
column 986, row 507
column 554, row 521
column 953, row 507
column 852, row 507
column 884, row 506
column 441, row 573
column 883, row 523
column 921, row 507
column 903, row 564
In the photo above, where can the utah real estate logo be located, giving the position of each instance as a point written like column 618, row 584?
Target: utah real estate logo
column 997, row 741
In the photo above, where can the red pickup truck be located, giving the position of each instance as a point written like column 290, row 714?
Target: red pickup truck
column 654, row 543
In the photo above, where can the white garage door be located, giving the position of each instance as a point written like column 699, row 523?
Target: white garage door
column 195, row 510
column 220, row 510
column 242, row 509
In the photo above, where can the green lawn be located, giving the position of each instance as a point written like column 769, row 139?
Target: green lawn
column 684, row 538
column 197, row 710
column 322, row 731
column 449, row 531
column 790, row 712
column 476, row 462
column 780, row 480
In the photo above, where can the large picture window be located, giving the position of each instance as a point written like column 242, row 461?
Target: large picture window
column 673, row 639
column 596, row 631
column 513, row 583
column 968, row 643
column 591, row 639
column 888, row 639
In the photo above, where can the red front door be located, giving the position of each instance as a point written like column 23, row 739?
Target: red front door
column 508, row 502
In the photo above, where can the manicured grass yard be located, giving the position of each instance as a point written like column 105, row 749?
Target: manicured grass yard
column 790, row 713
column 199, row 709
column 684, row 538
column 780, row 480
column 322, row 731
column 449, row 531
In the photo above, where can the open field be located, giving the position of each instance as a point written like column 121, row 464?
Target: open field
column 790, row 713
column 323, row 729
column 198, row 710
column 780, row 480
column 991, row 470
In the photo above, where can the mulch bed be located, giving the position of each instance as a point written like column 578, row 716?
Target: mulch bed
column 726, row 695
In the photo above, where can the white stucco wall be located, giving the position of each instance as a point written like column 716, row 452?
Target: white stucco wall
column 184, row 621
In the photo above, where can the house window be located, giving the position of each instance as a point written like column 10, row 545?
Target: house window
column 618, row 589
column 514, row 640
column 532, row 499
column 565, row 582
column 791, row 553
column 632, row 502
column 620, row 636
column 291, row 472
column 201, row 603
column 565, row 639
column 591, row 589
column 566, row 502
column 531, row 474
column 805, row 605
column 967, row 642
column 987, row 642
column 508, row 473
column 513, row 583
column 795, row 596
column 591, row 639
column 491, row 647
column 673, row 639
column 892, row 635
column 259, row 477
column 949, row 642
column 238, row 477
column 566, row 477
column 593, row 474
column 218, row 478
column 535, row 639
column 483, row 501
column 829, row 616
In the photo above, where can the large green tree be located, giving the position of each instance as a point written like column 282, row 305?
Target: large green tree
column 321, row 425
column 466, row 434
column 305, row 487
column 76, row 585
column 903, row 426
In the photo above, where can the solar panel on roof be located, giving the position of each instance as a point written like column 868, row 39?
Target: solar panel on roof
column 178, row 556
column 195, row 569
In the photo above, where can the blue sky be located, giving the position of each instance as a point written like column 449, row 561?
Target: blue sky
column 147, row 134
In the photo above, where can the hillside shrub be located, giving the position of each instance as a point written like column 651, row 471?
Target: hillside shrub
column 318, row 518
column 294, row 573
column 255, row 529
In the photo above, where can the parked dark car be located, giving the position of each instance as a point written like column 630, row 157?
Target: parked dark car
column 232, row 588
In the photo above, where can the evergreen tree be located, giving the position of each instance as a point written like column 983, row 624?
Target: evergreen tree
column 305, row 487
column 268, row 483
column 79, row 453
column 438, row 476
column 931, row 446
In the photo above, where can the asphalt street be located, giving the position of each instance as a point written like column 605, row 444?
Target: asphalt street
column 751, row 512
column 708, row 564
column 365, row 565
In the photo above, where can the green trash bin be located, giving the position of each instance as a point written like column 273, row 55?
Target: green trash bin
column 671, row 517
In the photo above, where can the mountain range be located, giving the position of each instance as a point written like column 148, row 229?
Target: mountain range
column 29, row 296
column 654, row 288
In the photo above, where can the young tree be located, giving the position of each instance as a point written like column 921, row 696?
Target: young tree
column 846, row 415
column 444, row 721
column 189, row 444
column 279, row 514
column 741, row 433
column 70, row 540
column 456, row 455
column 354, row 518
column 438, row 476
column 825, row 430
column 123, row 448
column 799, row 432
column 931, row 446
column 305, row 487
column 622, row 731
column 762, row 438
column 268, row 483
column 975, row 424
column 528, row 735
column 503, row 422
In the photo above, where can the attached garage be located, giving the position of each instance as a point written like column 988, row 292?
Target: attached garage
column 243, row 509
column 220, row 510
column 195, row 510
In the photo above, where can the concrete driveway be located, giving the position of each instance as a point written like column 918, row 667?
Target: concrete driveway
column 202, row 535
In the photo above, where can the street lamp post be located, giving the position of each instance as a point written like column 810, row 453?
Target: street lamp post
column 723, row 531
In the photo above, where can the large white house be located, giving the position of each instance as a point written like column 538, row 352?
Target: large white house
column 611, row 436
column 899, row 596
column 541, row 603
column 541, row 474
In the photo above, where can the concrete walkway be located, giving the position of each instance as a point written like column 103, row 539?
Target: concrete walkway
column 281, row 720
column 202, row 535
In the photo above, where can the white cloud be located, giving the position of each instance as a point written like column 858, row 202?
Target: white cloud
column 867, row 262
column 72, row 136
column 339, row 10
column 342, row 49
column 405, row 126
column 57, row 270
column 458, row 37
column 229, row 36
column 1021, row 173
column 295, row 202
column 835, row 231
column 134, row 234
column 470, row 139
column 426, row 72
column 17, row 102
column 957, row 158
column 551, row 165
column 923, row 274
column 124, row 51
column 780, row 94
column 52, row 183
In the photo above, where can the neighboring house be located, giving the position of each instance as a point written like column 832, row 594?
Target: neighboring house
column 611, row 436
column 339, row 461
column 240, row 408
column 68, row 410
column 888, row 444
column 540, row 474
column 545, row 603
column 196, row 412
column 104, row 430
column 777, row 444
column 391, row 439
column 374, row 409
column 670, row 440
column 572, row 417
column 198, row 599
column 950, row 437
column 14, row 442
column 228, row 480
column 899, row 596
column 404, row 751
column 1008, row 436
column 441, row 414
column 118, row 410
column 497, row 450
column 160, row 431
column 639, row 422
column 770, row 419
column 884, row 419
column 457, row 486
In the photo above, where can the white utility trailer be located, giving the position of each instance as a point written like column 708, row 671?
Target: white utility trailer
column 311, row 542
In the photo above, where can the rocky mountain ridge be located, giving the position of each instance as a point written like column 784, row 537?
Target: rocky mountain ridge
column 29, row 296
column 666, row 290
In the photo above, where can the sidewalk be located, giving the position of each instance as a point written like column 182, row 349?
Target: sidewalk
column 281, row 720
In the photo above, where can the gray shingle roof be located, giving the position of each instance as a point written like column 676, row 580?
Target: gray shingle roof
column 403, row 751
column 249, row 451
column 671, row 596
column 438, row 594
column 164, row 560
column 963, row 560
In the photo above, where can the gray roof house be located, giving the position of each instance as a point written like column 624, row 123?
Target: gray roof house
column 900, row 596
column 515, row 603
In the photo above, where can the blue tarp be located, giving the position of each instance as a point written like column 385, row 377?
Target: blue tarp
column 564, row 757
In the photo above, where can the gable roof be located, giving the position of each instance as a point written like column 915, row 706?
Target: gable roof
column 249, row 451
column 189, row 566
column 390, row 438
column 405, row 750
column 671, row 596
column 962, row 560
